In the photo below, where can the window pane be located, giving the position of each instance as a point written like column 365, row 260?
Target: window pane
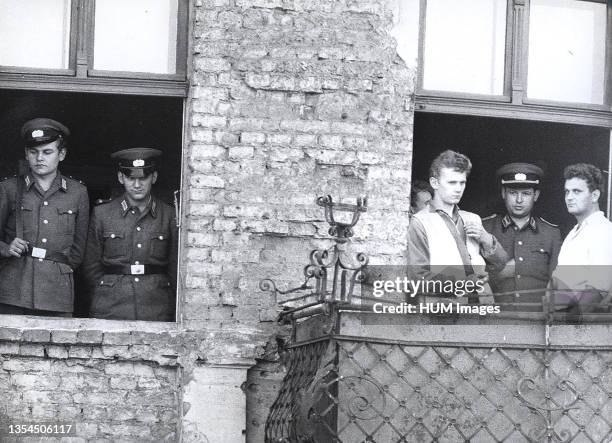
column 136, row 35
column 35, row 33
column 567, row 40
column 465, row 46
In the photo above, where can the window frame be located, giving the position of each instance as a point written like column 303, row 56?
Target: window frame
column 80, row 75
column 514, row 102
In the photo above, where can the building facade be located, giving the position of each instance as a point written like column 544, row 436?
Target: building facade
column 262, row 106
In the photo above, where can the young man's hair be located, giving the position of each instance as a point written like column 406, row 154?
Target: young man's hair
column 589, row 173
column 450, row 159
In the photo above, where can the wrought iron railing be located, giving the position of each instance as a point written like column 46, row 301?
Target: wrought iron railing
column 348, row 381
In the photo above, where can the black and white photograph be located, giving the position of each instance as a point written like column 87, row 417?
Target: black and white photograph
column 306, row 221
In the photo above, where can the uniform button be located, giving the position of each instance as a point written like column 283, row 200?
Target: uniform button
column 161, row 237
column 139, row 245
column 515, row 228
column 541, row 249
column 517, row 295
column 136, row 262
column 69, row 211
column 112, row 235
column 101, row 282
column 46, row 222
column 46, row 203
column 44, row 240
column 40, row 259
column 520, row 243
column 518, row 275
column 520, row 258
column 133, row 212
column 138, row 228
column 136, row 279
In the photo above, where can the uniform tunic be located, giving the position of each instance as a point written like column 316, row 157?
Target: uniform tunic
column 55, row 220
column 534, row 248
column 122, row 235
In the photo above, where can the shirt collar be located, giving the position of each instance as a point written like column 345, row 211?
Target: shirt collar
column 507, row 221
column 434, row 208
column 150, row 207
column 593, row 218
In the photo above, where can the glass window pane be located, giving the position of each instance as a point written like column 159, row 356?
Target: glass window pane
column 567, row 42
column 136, row 36
column 35, row 33
column 465, row 46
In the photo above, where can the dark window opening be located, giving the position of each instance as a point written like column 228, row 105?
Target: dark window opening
column 493, row 142
column 100, row 124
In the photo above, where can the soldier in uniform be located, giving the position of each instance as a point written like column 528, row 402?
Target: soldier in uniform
column 43, row 227
column 532, row 243
column 130, row 263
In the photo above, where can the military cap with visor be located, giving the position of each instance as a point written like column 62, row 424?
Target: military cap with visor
column 137, row 162
column 520, row 175
column 40, row 131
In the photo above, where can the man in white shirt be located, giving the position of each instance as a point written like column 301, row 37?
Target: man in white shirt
column 585, row 259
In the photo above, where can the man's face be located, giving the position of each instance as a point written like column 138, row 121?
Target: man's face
column 519, row 201
column 578, row 199
column 449, row 186
column 137, row 189
column 44, row 159
column 421, row 200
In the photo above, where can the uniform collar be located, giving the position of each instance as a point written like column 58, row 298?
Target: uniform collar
column 59, row 181
column 507, row 221
column 150, row 207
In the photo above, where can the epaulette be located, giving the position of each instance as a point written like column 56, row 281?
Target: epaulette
column 489, row 217
column 102, row 201
column 6, row 178
column 75, row 179
column 549, row 223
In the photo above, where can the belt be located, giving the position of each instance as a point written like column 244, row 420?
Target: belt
column 135, row 269
column 47, row 254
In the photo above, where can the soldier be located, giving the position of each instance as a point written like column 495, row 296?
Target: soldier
column 531, row 242
column 130, row 263
column 43, row 225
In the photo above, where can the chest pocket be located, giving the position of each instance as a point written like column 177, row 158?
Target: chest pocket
column 114, row 244
column 66, row 220
column 159, row 245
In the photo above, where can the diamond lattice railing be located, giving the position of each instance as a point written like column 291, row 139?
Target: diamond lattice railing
column 359, row 391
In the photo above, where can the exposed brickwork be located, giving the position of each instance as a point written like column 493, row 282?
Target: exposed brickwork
column 105, row 399
column 291, row 99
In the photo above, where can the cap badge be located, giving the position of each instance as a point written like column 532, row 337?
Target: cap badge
column 38, row 133
column 520, row 176
column 138, row 163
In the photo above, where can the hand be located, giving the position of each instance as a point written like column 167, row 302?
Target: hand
column 478, row 232
column 17, row 247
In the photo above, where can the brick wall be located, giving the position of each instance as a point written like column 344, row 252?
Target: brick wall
column 289, row 100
